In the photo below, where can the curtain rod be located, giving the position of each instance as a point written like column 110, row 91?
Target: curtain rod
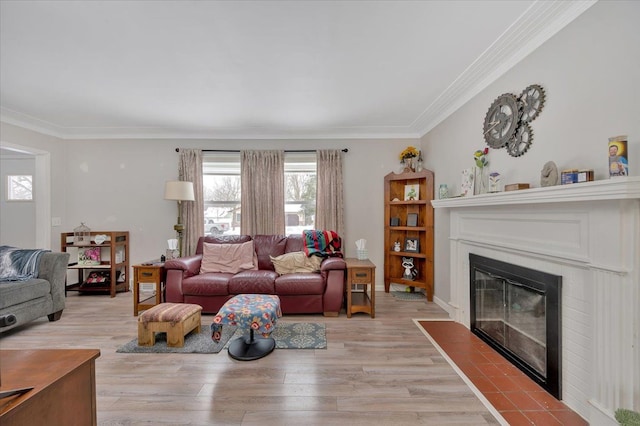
column 237, row 150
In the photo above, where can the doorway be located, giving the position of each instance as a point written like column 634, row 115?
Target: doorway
column 40, row 220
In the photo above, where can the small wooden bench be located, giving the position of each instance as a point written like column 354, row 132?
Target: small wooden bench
column 175, row 319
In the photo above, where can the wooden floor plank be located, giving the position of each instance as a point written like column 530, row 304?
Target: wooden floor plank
column 374, row 371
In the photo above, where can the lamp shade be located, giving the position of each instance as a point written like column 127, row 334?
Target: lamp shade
column 178, row 190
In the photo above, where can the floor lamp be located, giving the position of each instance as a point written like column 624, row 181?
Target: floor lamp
column 179, row 191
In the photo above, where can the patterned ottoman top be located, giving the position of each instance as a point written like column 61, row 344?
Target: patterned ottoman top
column 256, row 311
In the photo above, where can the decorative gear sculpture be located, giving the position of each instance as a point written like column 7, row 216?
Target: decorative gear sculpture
column 501, row 121
column 531, row 101
column 521, row 141
column 506, row 124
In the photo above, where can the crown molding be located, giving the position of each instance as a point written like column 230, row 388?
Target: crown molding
column 541, row 21
column 30, row 123
column 85, row 133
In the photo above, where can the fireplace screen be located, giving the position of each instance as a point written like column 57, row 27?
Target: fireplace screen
column 516, row 311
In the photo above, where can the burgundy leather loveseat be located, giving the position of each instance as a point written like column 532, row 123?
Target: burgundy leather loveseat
column 300, row 293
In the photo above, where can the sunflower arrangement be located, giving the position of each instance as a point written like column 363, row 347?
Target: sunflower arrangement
column 409, row 152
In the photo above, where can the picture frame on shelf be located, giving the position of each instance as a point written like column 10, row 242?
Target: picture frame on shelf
column 395, row 221
column 412, row 245
column 466, row 186
column 411, row 192
column 412, row 219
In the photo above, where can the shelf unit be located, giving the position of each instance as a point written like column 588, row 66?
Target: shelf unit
column 395, row 206
column 115, row 249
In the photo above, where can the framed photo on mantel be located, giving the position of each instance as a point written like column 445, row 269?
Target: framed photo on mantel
column 412, row 219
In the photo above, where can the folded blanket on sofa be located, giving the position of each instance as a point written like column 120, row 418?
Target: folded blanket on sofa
column 322, row 243
column 19, row 264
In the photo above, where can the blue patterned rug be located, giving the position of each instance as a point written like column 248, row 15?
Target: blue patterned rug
column 288, row 335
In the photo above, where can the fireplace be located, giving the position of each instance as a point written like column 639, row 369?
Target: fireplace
column 516, row 310
column 587, row 233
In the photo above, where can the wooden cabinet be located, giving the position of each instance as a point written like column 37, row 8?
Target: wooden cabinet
column 408, row 216
column 90, row 263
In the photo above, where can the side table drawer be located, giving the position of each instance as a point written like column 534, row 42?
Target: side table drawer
column 147, row 275
column 360, row 275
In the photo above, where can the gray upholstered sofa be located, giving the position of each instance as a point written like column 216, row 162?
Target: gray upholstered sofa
column 36, row 297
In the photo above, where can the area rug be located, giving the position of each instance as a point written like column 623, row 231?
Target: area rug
column 403, row 295
column 288, row 335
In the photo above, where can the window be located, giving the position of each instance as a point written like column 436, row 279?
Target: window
column 19, row 187
column 299, row 191
column 221, row 187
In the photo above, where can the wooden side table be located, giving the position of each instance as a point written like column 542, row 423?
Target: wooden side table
column 149, row 272
column 361, row 272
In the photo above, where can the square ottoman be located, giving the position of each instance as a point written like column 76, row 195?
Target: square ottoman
column 175, row 319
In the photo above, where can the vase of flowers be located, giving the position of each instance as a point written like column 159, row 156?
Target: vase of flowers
column 407, row 156
column 481, row 178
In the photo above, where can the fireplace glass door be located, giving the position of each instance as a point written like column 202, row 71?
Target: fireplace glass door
column 516, row 310
column 513, row 316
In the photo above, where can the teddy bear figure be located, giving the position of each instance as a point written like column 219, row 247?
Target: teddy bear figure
column 410, row 273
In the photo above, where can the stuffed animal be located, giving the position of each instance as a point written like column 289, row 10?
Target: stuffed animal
column 410, row 272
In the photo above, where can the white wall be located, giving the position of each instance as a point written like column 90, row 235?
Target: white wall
column 17, row 221
column 118, row 185
column 589, row 71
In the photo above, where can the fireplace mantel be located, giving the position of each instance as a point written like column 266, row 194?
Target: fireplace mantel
column 588, row 233
column 610, row 189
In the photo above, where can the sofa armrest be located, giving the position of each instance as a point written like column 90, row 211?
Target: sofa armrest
column 53, row 268
column 332, row 270
column 189, row 265
column 333, row 263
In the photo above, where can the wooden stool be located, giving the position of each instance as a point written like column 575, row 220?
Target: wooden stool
column 175, row 319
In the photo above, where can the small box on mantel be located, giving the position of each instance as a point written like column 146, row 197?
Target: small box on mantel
column 516, row 186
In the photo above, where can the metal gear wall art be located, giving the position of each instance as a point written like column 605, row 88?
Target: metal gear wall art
column 506, row 124
column 501, row 121
column 521, row 141
column 532, row 100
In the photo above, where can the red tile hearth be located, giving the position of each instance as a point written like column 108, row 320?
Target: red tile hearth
column 518, row 399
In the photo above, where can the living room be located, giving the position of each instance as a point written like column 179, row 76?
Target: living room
column 587, row 68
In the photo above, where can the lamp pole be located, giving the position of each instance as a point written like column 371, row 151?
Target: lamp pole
column 179, row 191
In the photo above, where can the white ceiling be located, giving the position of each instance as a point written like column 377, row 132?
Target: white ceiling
column 258, row 69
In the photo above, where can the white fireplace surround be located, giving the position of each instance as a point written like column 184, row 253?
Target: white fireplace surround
column 589, row 233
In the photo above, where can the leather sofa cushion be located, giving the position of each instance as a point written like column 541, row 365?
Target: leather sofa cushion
column 307, row 283
column 294, row 243
column 266, row 246
column 210, row 284
column 257, row 282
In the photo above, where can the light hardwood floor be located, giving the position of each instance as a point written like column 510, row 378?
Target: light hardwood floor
column 380, row 371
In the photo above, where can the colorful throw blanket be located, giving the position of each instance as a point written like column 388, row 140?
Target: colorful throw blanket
column 322, row 243
column 19, row 264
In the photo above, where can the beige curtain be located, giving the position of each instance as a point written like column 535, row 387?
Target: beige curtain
column 190, row 169
column 329, row 200
column 262, row 187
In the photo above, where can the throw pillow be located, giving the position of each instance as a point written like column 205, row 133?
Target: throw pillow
column 296, row 262
column 230, row 258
